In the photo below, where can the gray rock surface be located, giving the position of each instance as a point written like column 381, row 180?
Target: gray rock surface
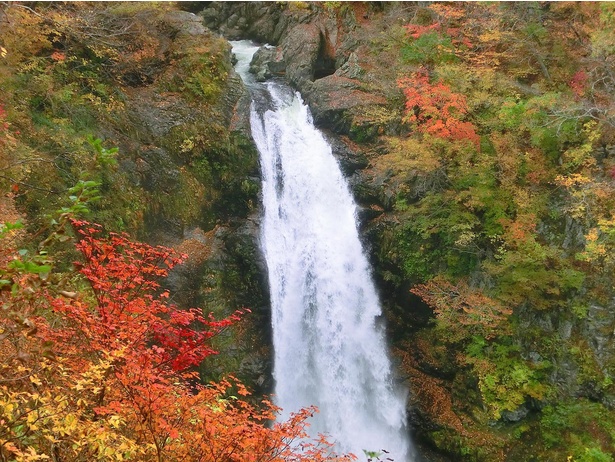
column 268, row 62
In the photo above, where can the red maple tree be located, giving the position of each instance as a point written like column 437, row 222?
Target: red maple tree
column 436, row 109
column 107, row 374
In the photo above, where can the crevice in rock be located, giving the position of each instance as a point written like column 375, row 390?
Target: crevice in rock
column 325, row 61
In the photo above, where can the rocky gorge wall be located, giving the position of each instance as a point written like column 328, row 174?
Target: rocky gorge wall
column 334, row 55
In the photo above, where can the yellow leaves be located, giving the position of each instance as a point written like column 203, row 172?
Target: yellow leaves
column 3, row 52
column 490, row 36
column 599, row 242
column 70, row 424
column 23, row 33
column 406, row 156
column 449, row 11
column 115, row 421
column 588, row 195
column 31, row 455
column 31, row 421
column 378, row 116
column 9, row 408
column 580, row 157
column 573, row 180
column 187, row 145
column 466, row 238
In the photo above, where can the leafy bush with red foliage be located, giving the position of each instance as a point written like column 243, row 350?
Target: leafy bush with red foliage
column 105, row 375
column 124, row 277
column 436, row 109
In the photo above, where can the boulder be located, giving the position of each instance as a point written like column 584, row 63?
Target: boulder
column 334, row 100
column 184, row 23
column 268, row 62
column 351, row 68
column 300, row 49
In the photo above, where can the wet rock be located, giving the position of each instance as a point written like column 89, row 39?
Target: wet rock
column 349, row 156
column 256, row 369
column 515, row 416
column 300, row 49
column 156, row 114
column 574, row 235
column 268, row 62
column 599, row 329
column 157, row 171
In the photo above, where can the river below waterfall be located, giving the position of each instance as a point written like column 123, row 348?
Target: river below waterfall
column 330, row 347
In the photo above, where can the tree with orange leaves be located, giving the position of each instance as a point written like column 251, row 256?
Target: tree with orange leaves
column 463, row 311
column 106, row 374
column 436, row 109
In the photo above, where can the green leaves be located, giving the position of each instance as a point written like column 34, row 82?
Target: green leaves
column 104, row 157
column 505, row 380
column 7, row 227
column 580, row 429
column 29, row 267
column 433, row 47
column 82, row 195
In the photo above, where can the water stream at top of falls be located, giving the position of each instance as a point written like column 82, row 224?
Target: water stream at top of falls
column 330, row 350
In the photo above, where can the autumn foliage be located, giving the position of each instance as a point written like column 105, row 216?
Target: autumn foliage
column 416, row 31
column 435, row 109
column 462, row 310
column 106, row 373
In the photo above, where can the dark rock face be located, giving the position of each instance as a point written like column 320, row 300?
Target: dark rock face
column 599, row 329
column 349, row 156
column 157, row 172
column 315, row 52
column 257, row 20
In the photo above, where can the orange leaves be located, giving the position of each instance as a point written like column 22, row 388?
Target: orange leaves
column 58, row 56
column 436, row 109
column 578, row 83
column 107, row 376
column 520, row 233
column 416, row 31
column 462, row 310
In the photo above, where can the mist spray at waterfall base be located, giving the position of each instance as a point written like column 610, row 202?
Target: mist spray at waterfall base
column 330, row 350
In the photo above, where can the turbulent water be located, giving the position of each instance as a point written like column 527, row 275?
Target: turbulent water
column 329, row 348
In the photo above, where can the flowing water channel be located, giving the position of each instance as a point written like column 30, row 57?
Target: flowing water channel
column 330, row 350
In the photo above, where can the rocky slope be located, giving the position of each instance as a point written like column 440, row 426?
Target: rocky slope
column 160, row 88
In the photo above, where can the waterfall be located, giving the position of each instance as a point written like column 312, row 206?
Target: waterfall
column 330, row 349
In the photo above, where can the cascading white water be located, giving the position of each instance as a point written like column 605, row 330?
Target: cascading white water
column 329, row 348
